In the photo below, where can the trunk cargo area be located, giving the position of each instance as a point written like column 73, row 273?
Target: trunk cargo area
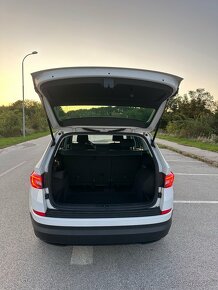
column 102, row 174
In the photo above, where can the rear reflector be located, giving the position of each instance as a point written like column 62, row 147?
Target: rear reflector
column 36, row 180
column 168, row 180
column 166, row 211
column 39, row 212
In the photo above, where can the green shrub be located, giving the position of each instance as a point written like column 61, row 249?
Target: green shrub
column 11, row 119
column 190, row 128
column 10, row 123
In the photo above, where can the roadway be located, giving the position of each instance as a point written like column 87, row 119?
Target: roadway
column 187, row 258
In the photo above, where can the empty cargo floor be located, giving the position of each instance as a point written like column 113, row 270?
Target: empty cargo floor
column 99, row 196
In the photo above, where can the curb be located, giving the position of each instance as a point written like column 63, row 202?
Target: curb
column 208, row 161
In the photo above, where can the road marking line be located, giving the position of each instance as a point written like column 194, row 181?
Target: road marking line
column 197, row 201
column 188, row 161
column 200, row 174
column 9, row 170
column 82, row 255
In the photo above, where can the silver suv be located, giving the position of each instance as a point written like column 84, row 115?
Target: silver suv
column 102, row 178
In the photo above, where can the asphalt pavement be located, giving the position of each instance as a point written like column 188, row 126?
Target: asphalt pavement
column 187, row 258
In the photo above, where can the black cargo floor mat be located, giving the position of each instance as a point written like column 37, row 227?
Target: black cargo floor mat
column 99, row 196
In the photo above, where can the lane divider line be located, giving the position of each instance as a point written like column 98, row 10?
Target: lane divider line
column 9, row 170
column 197, row 201
column 82, row 255
column 197, row 174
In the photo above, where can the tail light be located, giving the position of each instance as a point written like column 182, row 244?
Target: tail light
column 166, row 211
column 168, row 180
column 40, row 213
column 36, row 180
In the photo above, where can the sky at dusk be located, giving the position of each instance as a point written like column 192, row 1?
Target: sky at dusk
column 178, row 37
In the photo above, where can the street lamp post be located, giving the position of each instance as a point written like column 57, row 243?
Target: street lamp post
column 23, row 104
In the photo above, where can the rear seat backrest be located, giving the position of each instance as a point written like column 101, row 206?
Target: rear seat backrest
column 91, row 169
column 124, row 168
column 101, row 171
column 78, row 169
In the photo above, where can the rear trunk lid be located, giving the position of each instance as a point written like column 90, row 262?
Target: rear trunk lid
column 101, row 98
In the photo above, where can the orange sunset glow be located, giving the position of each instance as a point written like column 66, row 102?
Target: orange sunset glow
column 177, row 37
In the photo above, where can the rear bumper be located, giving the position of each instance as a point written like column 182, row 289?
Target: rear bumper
column 101, row 235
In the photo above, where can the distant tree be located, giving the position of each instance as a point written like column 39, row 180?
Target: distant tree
column 214, row 121
column 196, row 104
column 141, row 114
column 11, row 118
column 191, row 115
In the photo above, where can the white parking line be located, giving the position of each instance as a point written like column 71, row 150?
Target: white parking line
column 186, row 161
column 197, row 201
column 197, row 174
column 82, row 255
column 9, row 170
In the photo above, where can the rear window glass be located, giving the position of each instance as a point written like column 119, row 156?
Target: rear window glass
column 104, row 142
column 135, row 113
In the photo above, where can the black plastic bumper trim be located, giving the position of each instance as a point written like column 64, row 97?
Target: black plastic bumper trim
column 101, row 235
column 104, row 212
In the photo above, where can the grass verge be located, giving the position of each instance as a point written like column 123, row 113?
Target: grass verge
column 190, row 142
column 8, row 141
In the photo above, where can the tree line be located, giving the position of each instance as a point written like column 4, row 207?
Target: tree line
column 192, row 115
column 141, row 114
column 11, row 118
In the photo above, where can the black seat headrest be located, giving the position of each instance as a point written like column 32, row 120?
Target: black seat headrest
column 82, row 139
column 117, row 138
column 128, row 143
